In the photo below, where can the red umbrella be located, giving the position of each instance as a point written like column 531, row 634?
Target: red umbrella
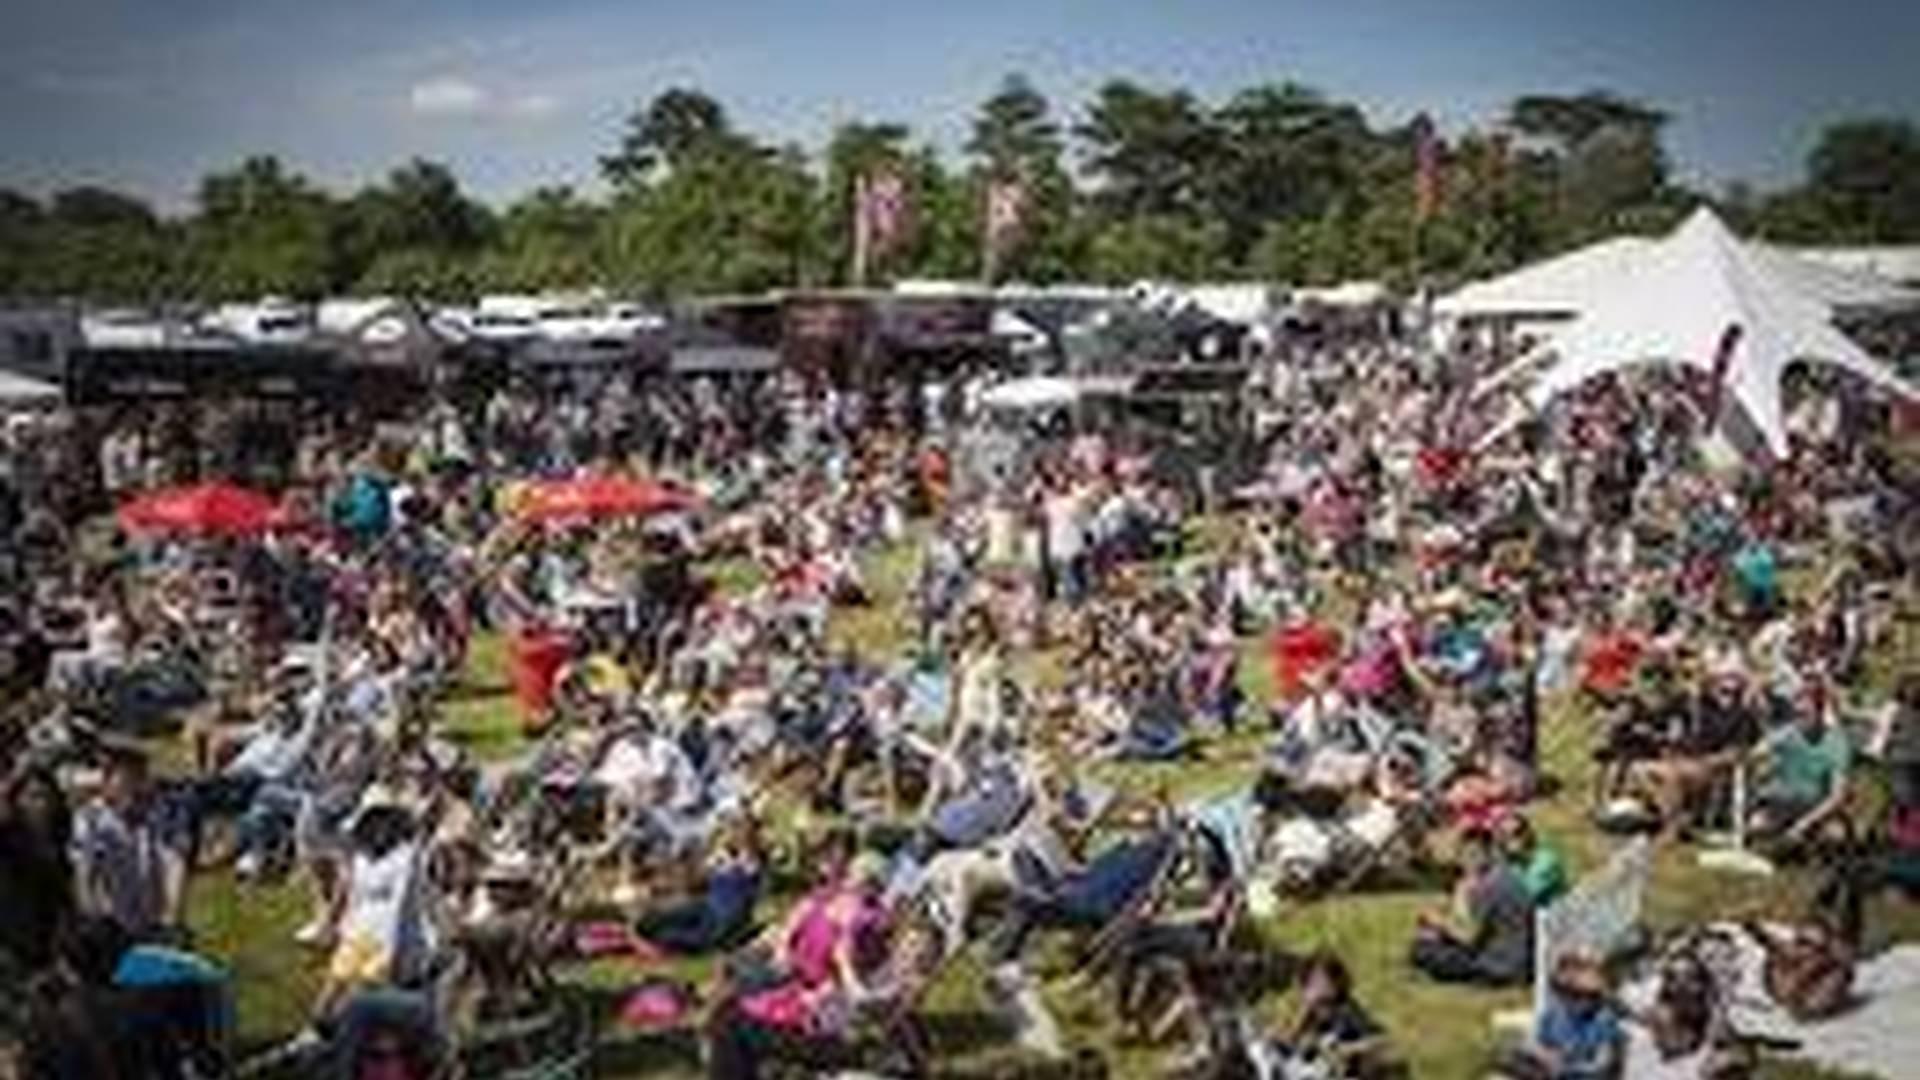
column 600, row 497
column 204, row 509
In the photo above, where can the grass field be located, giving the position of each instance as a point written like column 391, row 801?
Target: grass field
column 1442, row 1032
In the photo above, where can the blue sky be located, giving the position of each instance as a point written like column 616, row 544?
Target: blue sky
column 151, row 94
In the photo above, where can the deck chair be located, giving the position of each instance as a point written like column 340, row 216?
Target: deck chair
column 1096, row 952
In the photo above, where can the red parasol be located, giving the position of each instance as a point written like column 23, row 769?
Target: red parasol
column 202, row 509
column 600, row 497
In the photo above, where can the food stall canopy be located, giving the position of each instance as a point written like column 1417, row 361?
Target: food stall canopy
column 1033, row 393
column 21, row 392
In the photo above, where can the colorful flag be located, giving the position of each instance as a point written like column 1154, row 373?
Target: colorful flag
column 1006, row 214
column 1006, row 211
column 1722, row 368
column 879, row 217
column 1426, row 171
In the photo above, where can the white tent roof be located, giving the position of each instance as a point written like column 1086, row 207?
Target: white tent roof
column 21, row 391
column 1553, row 288
column 1559, row 286
column 1032, row 392
column 1684, row 295
column 1346, row 294
column 1841, row 286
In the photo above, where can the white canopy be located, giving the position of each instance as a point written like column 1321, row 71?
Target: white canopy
column 1680, row 300
column 1032, row 393
column 1687, row 296
column 23, row 392
column 1555, row 288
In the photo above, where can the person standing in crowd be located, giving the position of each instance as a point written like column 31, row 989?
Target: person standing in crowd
column 37, row 901
column 125, row 869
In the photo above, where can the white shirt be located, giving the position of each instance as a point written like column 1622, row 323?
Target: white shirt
column 638, row 764
column 1066, row 529
column 384, row 904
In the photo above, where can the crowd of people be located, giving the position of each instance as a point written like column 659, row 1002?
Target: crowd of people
column 756, row 738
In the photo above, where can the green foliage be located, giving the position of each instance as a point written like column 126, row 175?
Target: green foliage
column 1150, row 153
column 1863, row 186
column 732, row 218
column 260, row 231
column 1278, row 182
column 1158, row 246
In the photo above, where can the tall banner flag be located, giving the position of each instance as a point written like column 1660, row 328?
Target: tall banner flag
column 1426, row 168
column 1006, row 214
column 1722, row 369
column 879, row 218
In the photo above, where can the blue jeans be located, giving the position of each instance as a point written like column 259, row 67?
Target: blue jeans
column 267, row 824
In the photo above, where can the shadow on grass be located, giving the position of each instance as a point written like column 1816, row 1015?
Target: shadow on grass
column 475, row 690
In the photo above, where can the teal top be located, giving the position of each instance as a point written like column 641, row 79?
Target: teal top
column 1544, row 873
column 1807, row 770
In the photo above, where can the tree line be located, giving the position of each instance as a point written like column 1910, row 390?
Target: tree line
column 1276, row 182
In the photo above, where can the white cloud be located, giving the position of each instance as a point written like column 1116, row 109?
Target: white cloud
column 453, row 96
column 532, row 106
column 448, row 96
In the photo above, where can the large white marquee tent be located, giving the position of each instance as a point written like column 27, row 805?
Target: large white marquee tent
column 1684, row 299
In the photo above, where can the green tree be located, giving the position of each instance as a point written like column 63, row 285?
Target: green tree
column 418, row 215
column 1158, row 246
column 1867, row 175
column 22, row 229
column 1285, row 152
column 1150, row 153
column 858, row 149
column 100, row 245
column 731, row 218
column 1568, row 121
column 547, row 240
column 1607, row 152
column 676, row 125
column 1014, row 133
column 1015, row 139
column 261, row 230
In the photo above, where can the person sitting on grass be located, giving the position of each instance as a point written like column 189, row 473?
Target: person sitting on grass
column 1495, row 948
column 1579, row 1035
column 1711, row 733
column 808, row 972
column 722, row 911
column 1635, row 731
column 1803, row 794
column 1542, row 869
column 1332, row 1034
